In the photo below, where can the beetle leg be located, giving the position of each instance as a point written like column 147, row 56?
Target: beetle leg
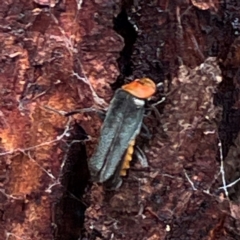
column 113, row 184
column 101, row 113
column 158, row 102
column 147, row 134
column 141, row 157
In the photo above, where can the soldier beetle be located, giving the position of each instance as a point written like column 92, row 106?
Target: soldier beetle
column 122, row 124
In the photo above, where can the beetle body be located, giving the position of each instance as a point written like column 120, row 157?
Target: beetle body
column 120, row 128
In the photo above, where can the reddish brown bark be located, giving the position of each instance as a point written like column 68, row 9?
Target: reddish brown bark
column 64, row 55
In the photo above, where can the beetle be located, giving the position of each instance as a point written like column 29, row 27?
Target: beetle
column 121, row 126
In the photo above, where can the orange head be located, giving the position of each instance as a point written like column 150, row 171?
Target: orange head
column 141, row 88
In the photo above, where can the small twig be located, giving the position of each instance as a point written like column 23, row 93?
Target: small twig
column 11, row 196
column 79, row 4
column 42, row 168
column 230, row 184
column 222, row 169
column 97, row 99
column 189, row 180
column 60, row 112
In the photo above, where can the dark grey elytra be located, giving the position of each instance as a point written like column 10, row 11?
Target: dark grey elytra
column 121, row 125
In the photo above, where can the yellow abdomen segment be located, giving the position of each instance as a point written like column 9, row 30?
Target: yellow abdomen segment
column 127, row 158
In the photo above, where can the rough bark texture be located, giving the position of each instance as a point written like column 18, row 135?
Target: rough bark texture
column 52, row 59
column 58, row 56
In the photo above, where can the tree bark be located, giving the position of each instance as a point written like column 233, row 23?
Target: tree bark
column 58, row 56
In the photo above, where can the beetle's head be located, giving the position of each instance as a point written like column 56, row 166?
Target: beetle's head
column 141, row 88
